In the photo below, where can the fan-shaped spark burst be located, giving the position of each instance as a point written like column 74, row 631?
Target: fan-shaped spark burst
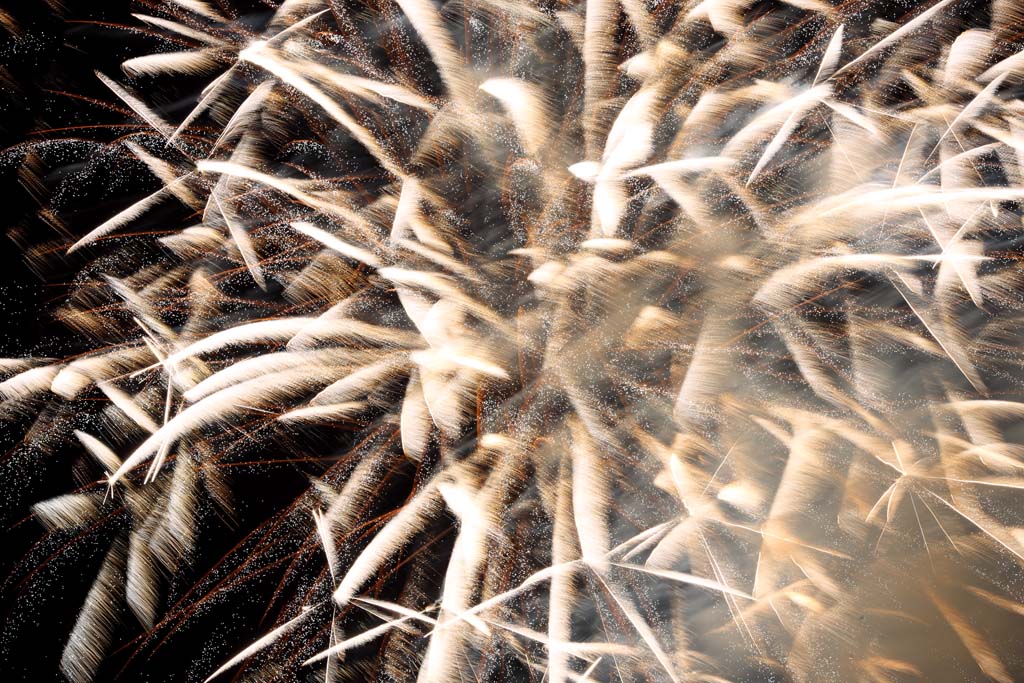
column 637, row 340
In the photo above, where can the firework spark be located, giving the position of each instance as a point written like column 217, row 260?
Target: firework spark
column 623, row 340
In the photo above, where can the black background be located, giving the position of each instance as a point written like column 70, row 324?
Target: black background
column 47, row 81
column 42, row 54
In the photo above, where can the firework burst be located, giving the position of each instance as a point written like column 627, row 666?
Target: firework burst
column 621, row 341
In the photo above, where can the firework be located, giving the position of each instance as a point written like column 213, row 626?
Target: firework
column 621, row 340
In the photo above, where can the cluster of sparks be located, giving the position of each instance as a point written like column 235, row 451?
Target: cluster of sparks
column 630, row 340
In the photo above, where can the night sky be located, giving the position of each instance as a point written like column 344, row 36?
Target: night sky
column 50, row 93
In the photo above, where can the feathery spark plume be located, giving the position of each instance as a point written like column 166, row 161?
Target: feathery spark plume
column 668, row 341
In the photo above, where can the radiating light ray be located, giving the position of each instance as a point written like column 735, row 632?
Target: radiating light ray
column 607, row 341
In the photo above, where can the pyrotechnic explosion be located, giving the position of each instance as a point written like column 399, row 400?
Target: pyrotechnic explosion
column 621, row 341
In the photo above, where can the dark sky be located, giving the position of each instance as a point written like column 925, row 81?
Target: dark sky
column 46, row 54
column 47, row 78
column 35, row 59
column 48, row 66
